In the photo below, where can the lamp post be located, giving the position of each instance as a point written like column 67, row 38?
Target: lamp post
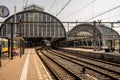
column 20, row 38
column 94, row 42
column 74, row 40
column 12, row 40
column 0, row 54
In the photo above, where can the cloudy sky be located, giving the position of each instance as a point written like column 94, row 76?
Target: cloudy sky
column 80, row 10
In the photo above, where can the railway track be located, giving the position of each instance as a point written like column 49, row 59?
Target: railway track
column 107, row 71
column 65, row 66
column 59, row 71
column 108, row 65
column 103, row 61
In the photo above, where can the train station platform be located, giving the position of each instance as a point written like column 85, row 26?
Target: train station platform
column 91, row 50
column 28, row 67
column 107, row 56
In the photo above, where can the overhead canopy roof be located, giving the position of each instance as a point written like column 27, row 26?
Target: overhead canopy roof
column 32, row 24
column 89, row 30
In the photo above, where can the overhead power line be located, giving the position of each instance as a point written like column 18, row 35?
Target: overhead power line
column 51, row 5
column 63, row 8
column 80, row 9
column 112, row 16
column 104, row 12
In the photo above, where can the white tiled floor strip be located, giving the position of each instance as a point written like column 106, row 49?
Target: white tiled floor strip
column 25, row 68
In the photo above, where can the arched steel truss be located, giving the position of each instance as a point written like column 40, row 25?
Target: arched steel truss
column 90, row 34
column 33, row 23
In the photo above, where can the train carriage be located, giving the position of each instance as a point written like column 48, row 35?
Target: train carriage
column 4, row 45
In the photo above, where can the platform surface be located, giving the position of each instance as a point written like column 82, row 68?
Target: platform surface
column 91, row 50
column 28, row 67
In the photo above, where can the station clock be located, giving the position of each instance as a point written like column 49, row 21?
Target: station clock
column 4, row 12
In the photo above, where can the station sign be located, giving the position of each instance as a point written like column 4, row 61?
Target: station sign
column 4, row 11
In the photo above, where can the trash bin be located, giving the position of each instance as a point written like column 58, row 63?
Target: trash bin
column 107, row 50
column 112, row 49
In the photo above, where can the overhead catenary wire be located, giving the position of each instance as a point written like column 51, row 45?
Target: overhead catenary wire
column 63, row 7
column 51, row 5
column 80, row 9
column 112, row 16
column 104, row 12
column 88, row 17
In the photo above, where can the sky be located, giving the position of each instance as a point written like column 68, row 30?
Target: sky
column 76, row 10
column 80, row 10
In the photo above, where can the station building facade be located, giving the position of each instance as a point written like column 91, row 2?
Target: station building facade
column 93, row 36
column 33, row 24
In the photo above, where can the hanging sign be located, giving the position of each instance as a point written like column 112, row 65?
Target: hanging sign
column 4, row 11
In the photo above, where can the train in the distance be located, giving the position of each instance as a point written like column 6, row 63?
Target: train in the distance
column 46, row 43
column 4, row 45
